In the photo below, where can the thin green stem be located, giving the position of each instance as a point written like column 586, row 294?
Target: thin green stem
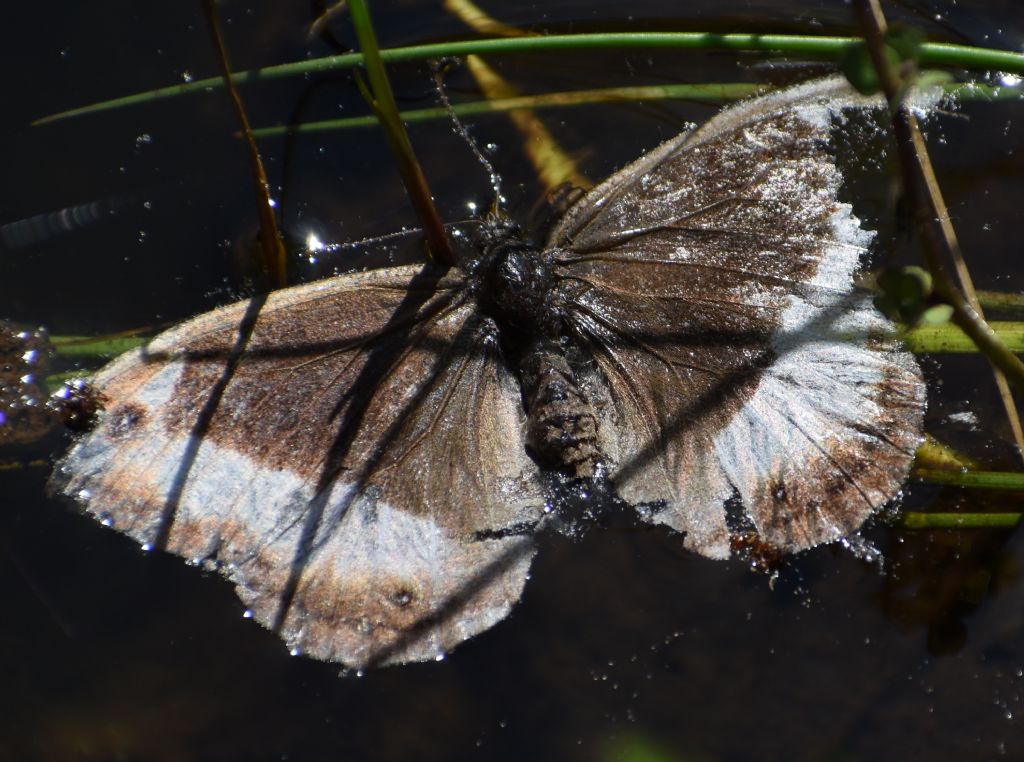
column 951, row 339
column 935, row 54
column 709, row 92
column 703, row 92
column 1003, row 480
column 103, row 346
column 918, row 520
column 945, row 339
column 1001, row 300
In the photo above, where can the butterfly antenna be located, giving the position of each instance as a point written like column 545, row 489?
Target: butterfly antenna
column 461, row 130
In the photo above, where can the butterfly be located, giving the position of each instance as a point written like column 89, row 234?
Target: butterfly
column 364, row 457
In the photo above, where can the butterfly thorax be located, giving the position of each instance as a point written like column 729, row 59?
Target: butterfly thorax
column 519, row 290
column 515, row 290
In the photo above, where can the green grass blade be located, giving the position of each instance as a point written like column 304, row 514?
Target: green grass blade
column 945, row 339
column 1004, row 480
column 919, row 520
column 1001, row 300
column 708, row 92
column 949, row 339
column 936, row 54
column 104, row 346
column 703, row 92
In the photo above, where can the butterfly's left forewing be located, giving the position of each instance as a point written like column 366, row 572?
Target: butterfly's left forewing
column 712, row 281
column 350, row 454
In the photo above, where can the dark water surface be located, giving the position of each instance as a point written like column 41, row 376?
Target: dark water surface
column 623, row 642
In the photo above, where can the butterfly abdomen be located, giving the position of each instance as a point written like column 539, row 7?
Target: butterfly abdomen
column 561, row 424
column 519, row 292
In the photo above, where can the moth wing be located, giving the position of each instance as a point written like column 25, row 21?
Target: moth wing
column 349, row 453
column 712, row 282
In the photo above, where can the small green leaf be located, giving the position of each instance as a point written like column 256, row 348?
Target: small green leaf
column 905, row 296
column 887, row 307
column 905, row 290
column 938, row 314
column 905, row 42
column 915, row 284
column 935, row 78
column 857, row 67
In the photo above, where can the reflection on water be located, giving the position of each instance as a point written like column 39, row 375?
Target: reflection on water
column 623, row 641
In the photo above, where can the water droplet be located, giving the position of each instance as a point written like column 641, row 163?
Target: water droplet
column 313, row 243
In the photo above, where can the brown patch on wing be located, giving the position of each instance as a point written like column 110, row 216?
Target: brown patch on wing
column 362, row 436
column 125, row 419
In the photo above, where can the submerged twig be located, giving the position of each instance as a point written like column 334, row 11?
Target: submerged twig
column 327, row 14
column 272, row 253
column 479, row 21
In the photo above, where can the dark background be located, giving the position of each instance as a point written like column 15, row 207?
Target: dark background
column 623, row 644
